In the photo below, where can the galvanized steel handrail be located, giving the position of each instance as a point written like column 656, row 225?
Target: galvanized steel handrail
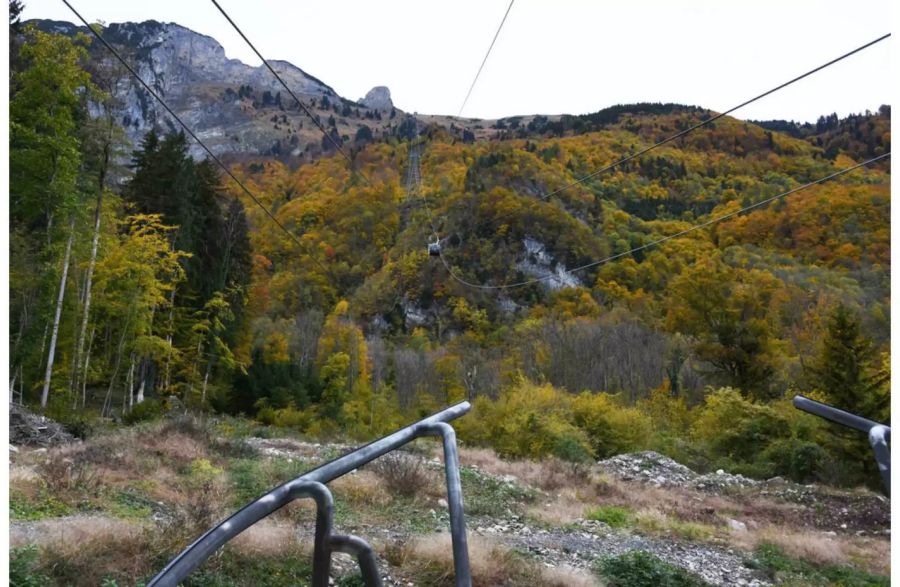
column 878, row 434
column 312, row 484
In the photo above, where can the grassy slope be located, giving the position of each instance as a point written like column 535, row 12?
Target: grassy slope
column 118, row 506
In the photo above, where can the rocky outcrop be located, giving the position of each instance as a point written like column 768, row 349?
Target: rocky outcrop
column 540, row 264
column 234, row 107
column 379, row 98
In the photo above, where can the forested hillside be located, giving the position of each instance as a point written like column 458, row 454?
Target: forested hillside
column 135, row 289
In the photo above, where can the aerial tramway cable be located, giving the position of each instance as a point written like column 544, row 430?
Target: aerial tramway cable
column 676, row 136
column 313, row 118
column 708, row 121
column 659, row 241
column 486, row 55
column 193, row 135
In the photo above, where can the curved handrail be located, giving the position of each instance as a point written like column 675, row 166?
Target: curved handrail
column 308, row 484
column 878, row 434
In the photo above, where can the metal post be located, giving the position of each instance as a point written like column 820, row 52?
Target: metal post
column 310, row 484
column 182, row 565
column 878, row 438
column 454, row 501
column 364, row 555
column 878, row 434
column 321, row 571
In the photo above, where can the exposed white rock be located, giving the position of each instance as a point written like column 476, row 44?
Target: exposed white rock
column 379, row 98
column 539, row 263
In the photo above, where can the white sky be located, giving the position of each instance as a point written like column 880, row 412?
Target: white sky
column 560, row 56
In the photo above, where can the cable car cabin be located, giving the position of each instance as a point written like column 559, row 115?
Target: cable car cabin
column 434, row 249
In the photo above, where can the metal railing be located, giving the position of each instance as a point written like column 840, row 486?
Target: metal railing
column 878, row 434
column 312, row 485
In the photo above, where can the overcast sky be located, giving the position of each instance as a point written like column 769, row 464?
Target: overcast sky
column 552, row 57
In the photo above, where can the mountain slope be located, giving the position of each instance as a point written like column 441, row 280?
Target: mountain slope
column 235, row 108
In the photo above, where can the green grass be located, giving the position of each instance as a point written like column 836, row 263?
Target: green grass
column 354, row 580
column 785, row 570
column 21, row 507
column 130, row 505
column 612, row 516
column 250, row 478
column 668, row 526
column 23, row 568
column 237, row 570
column 484, row 495
column 642, row 569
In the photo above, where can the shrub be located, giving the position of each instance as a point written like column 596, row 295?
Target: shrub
column 612, row 428
column 783, row 569
column 291, row 417
column 737, row 428
column 612, row 516
column 642, row 569
column 528, row 421
column 62, row 472
column 800, row 460
column 23, row 568
column 150, row 409
column 572, row 450
column 402, row 473
column 669, row 414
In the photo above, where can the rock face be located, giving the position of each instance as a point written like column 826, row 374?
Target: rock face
column 233, row 107
column 540, row 264
column 379, row 98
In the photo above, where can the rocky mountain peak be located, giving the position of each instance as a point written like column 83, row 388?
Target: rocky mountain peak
column 238, row 109
column 379, row 98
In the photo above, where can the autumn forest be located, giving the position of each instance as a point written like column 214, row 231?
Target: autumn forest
column 143, row 279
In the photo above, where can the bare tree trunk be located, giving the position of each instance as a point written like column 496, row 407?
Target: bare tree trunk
column 169, row 334
column 205, row 380
column 87, row 290
column 44, row 342
column 129, row 387
column 143, row 384
column 112, row 380
column 87, row 363
column 59, row 303
column 190, row 390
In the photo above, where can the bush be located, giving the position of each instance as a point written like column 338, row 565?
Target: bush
column 801, row 461
column 781, row 568
column 23, row 567
column 642, row 569
column 572, row 450
column 291, row 417
column 612, row 429
column 612, row 516
column 734, row 427
column 150, row 409
column 526, row 421
column 402, row 473
column 61, row 472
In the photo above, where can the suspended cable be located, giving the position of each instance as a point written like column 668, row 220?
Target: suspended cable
column 714, row 118
column 688, row 131
column 659, row 241
column 486, row 55
column 193, row 135
column 312, row 117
